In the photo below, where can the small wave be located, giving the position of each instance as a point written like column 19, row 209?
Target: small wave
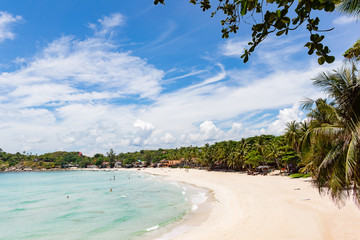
column 184, row 191
column 194, row 207
column 30, row 201
column 121, row 219
column 18, row 209
column 198, row 199
column 122, row 196
column 152, row 228
column 69, row 215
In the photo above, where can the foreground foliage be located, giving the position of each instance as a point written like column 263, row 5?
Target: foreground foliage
column 330, row 147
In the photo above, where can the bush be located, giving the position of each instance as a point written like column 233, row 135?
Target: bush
column 300, row 175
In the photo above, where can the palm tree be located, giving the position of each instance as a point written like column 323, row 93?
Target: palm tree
column 274, row 153
column 260, row 144
column 292, row 135
column 335, row 130
column 238, row 154
column 207, row 156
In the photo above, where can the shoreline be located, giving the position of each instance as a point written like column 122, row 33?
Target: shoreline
column 190, row 220
column 262, row 207
column 248, row 207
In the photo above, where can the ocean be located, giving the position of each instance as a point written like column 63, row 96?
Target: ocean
column 111, row 205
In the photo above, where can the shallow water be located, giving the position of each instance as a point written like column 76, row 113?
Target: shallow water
column 88, row 205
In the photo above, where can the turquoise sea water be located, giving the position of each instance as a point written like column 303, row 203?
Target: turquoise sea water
column 87, row 205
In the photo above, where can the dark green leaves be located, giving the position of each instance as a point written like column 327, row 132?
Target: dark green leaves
column 159, row 1
column 279, row 33
column 322, row 51
column 321, row 60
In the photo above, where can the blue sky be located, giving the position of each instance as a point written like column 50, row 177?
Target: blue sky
column 93, row 75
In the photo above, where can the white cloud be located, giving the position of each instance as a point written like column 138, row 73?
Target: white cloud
column 218, row 77
column 84, row 95
column 108, row 24
column 67, row 65
column 168, row 138
column 342, row 20
column 144, row 126
column 143, row 131
column 233, row 47
column 6, row 20
column 285, row 115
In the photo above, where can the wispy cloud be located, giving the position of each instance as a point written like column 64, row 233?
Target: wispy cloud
column 190, row 74
column 107, row 24
column 220, row 76
column 233, row 47
column 6, row 21
column 69, row 65
column 343, row 20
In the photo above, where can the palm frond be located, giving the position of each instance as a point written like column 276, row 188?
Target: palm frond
column 307, row 103
column 351, row 7
column 350, row 160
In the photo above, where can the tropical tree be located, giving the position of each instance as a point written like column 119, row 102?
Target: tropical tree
column 335, row 131
column 260, row 146
column 292, row 135
column 207, row 156
column 275, row 153
column 353, row 53
column 112, row 157
column 238, row 155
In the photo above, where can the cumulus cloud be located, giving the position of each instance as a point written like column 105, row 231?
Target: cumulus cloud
column 143, row 131
column 168, row 138
column 6, row 21
column 208, row 132
column 285, row 115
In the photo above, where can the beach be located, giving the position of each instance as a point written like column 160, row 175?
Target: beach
column 262, row 207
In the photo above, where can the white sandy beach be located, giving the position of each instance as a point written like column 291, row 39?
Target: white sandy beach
column 265, row 207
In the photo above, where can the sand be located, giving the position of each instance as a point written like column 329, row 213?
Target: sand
column 264, row 207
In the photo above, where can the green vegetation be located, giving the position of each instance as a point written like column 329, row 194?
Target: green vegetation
column 300, row 175
column 354, row 51
column 331, row 146
column 227, row 155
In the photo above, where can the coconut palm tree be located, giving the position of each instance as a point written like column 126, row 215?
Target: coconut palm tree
column 260, row 146
column 335, row 130
column 274, row 153
column 238, row 154
column 292, row 135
